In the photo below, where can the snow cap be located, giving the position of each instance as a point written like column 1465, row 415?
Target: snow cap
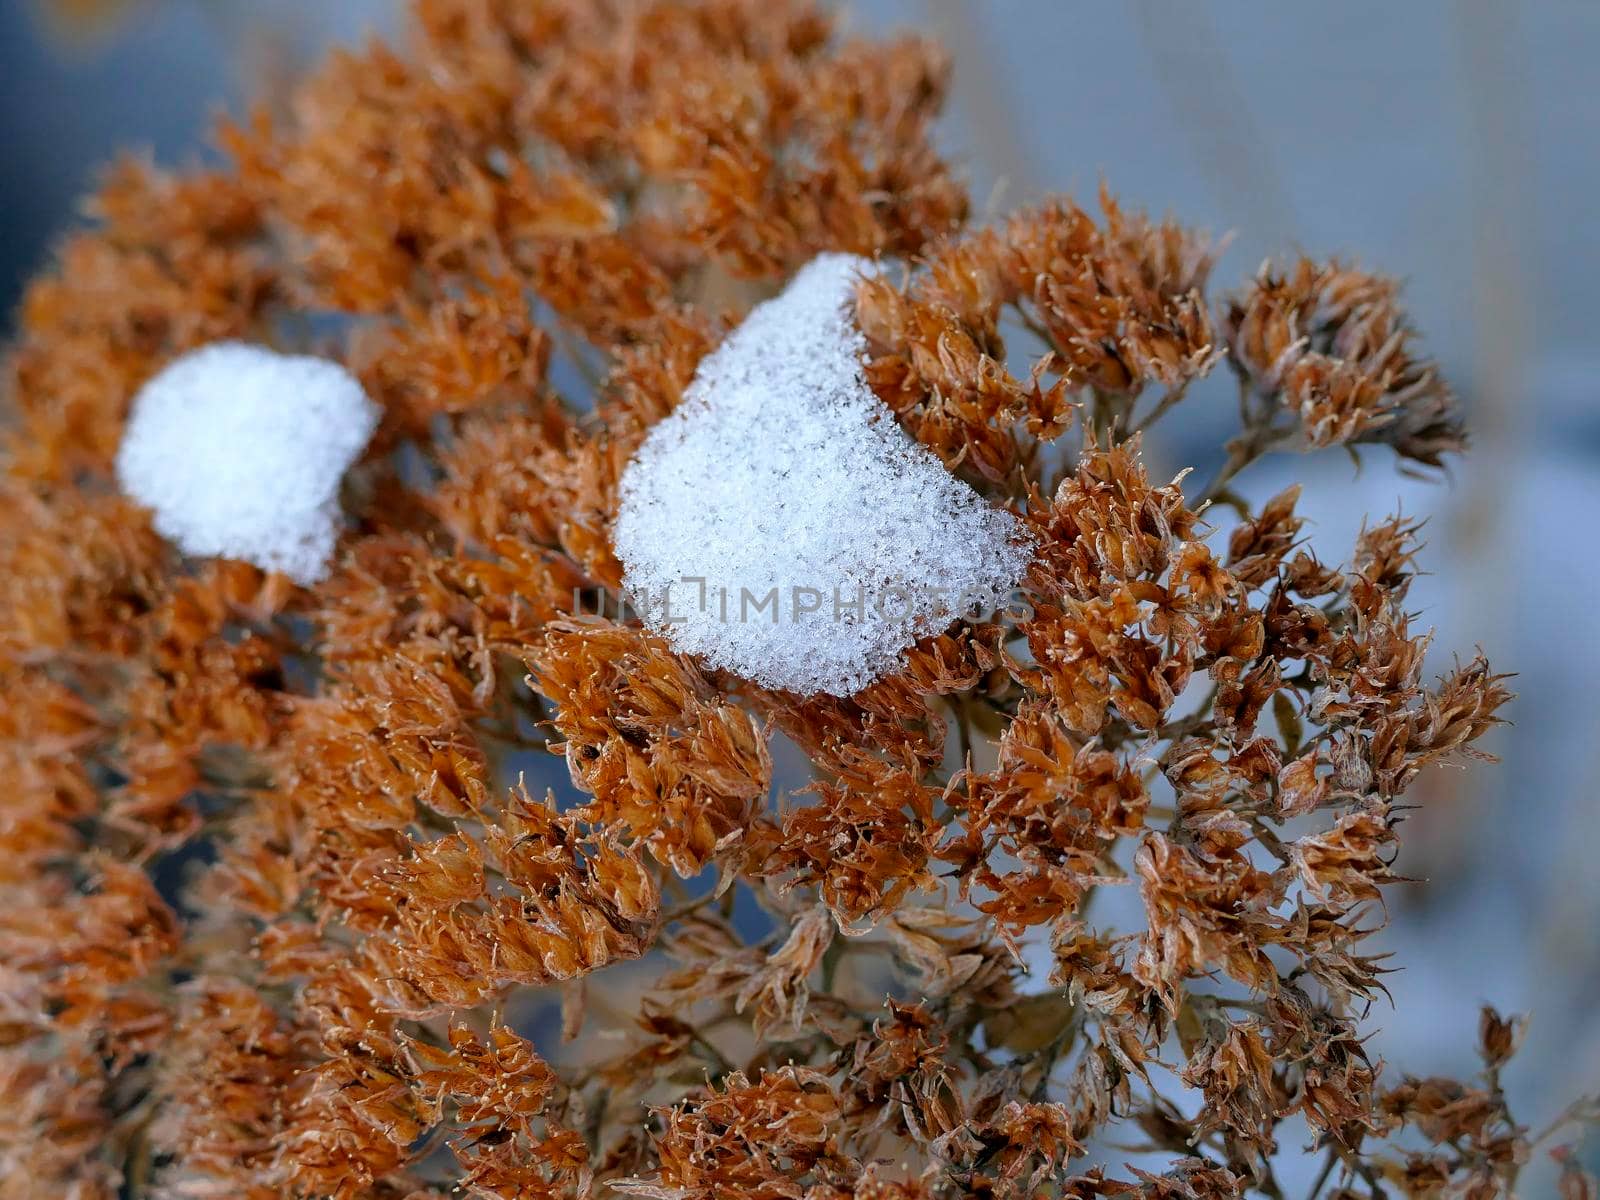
column 782, row 526
column 239, row 452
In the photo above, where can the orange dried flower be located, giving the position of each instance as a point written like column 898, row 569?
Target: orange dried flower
column 1331, row 347
column 444, row 875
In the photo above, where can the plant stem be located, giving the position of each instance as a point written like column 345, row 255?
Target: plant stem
column 1163, row 406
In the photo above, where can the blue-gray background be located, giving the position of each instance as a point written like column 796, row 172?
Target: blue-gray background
column 1452, row 144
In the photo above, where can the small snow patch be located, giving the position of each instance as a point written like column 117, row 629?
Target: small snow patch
column 239, row 451
column 781, row 525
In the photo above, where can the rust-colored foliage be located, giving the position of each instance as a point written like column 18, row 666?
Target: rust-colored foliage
column 280, row 918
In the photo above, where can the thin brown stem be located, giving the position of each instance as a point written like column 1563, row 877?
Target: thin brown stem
column 1329, row 1161
column 1163, row 406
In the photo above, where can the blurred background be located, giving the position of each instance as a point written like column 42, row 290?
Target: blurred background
column 1456, row 145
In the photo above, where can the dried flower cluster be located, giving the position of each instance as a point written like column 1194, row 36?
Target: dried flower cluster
column 1330, row 345
column 281, row 920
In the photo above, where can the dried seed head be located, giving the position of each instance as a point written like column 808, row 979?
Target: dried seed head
column 1330, row 348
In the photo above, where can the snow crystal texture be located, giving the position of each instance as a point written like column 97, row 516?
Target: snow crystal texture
column 784, row 484
column 239, row 451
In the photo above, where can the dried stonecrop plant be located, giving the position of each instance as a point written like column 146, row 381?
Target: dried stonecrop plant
column 281, row 920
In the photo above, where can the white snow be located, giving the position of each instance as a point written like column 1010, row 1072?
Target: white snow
column 782, row 470
column 239, row 451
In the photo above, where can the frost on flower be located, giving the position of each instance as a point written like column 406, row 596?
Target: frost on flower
column 239, row 452
column 805, row 539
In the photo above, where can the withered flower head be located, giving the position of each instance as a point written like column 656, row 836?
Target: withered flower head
column 1123, row 303
column 1329, row 346
column 445, row 875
